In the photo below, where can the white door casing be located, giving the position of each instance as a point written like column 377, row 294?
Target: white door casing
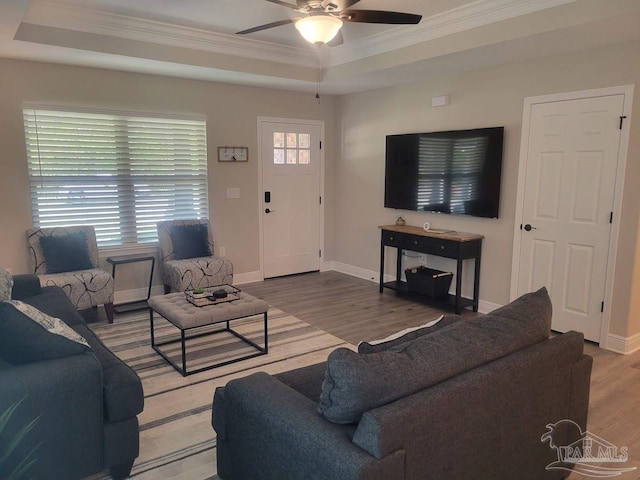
column 291, row 167
column 571, row 158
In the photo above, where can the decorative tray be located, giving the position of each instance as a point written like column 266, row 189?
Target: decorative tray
column 213, row 295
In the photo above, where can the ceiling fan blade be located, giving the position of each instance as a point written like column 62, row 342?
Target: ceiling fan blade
column 285, row 4
column 380, row 16
column 267, row 26
column 337, row 40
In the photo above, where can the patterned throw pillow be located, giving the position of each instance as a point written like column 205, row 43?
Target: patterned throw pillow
column 6, row 285
column 29, row 335
column 51, row 324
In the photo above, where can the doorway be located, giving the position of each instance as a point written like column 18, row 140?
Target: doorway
column 572, row 160
column 291, row 210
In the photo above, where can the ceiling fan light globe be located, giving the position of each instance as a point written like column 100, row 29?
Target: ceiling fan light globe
column 319, row 28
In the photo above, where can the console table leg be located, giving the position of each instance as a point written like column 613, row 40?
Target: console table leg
column 476, row 284
column 458, row 285
column 381, row 265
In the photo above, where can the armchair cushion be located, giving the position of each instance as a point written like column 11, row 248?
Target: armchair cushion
column 190, row 241
column 66, row 253
column 23, row 340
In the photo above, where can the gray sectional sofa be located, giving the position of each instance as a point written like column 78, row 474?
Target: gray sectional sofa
column 464, row 399
column 83, row 400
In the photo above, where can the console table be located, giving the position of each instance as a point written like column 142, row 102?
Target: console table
column 459, row 246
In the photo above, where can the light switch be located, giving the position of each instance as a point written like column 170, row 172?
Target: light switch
column 233, row 193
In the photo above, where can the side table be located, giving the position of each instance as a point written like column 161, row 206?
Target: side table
column 133, row 258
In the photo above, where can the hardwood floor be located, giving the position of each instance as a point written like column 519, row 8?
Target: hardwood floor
column 352, row 309
column 347, row 307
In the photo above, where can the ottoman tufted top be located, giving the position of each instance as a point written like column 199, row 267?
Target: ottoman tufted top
column 178, row 310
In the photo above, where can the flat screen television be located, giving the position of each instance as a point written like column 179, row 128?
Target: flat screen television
column 455, row 172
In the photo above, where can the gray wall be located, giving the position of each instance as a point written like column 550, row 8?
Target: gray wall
column 481, row 98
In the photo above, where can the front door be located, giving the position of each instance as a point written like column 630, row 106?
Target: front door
column 291, row 203
column 571, row 166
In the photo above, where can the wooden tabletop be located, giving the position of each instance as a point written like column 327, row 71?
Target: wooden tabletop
column 435, row 233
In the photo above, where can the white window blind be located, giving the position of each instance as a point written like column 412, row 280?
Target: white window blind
column 120, row 173
column 449, row 171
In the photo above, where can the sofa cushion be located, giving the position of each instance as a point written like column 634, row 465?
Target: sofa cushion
column 26, row 340
column 190, row 241
column 122, row 389
column 66, row 253
column 407, row 334
column 355, row 383
column 6, row 285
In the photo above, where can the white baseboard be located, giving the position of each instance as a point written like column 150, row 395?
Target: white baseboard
column 124, row 296
column 248, row 277
column 624, row 345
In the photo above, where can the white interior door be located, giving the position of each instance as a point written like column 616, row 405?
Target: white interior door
column 290, row 154
column 568, row 202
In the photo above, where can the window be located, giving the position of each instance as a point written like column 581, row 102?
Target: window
column 120, row 173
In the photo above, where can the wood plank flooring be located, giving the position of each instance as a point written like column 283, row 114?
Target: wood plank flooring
column 347, row 307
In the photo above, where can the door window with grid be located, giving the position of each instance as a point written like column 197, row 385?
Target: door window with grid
column 291, row 148
column 120, row 173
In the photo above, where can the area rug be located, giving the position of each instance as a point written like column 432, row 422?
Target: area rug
column 176, row 437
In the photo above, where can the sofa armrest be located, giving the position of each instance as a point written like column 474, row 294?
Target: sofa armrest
column 64, row 397
column 268, row 430
column 24, row 286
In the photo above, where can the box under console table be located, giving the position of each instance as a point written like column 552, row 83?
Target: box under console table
column 459, row 246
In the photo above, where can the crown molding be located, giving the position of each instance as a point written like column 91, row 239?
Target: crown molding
column 467, row 17
column 75, row 18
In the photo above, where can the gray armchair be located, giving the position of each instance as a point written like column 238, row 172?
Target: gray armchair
column 67, row 257
column 187, row 260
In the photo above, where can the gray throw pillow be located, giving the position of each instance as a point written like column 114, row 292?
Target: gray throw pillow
column 356, row 383
column 190, row 241
column 66, row 253
column 6, row 285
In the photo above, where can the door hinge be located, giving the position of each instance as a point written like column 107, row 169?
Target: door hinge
column 321, row 144
column 611, row 217
column 602, row 307
column 320, row 253
column 320, row 200
column 622, row 117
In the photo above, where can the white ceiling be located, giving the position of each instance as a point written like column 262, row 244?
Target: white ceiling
column 196, row 38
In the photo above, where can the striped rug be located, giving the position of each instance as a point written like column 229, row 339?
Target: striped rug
column 176, row 437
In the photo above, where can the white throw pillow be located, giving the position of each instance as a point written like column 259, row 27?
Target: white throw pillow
column 51, row 324
column 6, row 285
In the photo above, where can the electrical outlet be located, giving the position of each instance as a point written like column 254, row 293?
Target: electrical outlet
column 222, row 252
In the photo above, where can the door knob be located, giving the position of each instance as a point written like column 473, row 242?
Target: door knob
column 268, row 210
column 528, row 227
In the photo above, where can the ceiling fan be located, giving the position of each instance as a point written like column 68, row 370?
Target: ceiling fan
column 322, row 19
